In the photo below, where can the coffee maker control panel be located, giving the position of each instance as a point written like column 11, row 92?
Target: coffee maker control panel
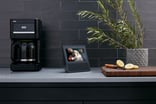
column 25, row 28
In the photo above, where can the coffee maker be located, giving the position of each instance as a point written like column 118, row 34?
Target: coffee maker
column 25, row 44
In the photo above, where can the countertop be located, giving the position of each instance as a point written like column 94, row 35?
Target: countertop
column 58, row 75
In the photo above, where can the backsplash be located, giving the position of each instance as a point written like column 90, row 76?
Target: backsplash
column 61, row 26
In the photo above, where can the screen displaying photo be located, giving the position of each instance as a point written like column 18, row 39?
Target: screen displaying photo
column 75, row 54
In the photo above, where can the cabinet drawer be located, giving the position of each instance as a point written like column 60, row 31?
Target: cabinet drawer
column 120, row 102
column 40, row 102
column 78, row 94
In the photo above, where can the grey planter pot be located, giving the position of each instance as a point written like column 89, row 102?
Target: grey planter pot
column 137, row 56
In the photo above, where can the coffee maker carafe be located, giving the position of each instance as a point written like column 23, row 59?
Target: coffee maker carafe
column 25, row 44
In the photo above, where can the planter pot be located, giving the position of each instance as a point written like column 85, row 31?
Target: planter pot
column 137, row 56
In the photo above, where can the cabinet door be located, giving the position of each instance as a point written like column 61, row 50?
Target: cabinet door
column 120, row 102
column 40, row 102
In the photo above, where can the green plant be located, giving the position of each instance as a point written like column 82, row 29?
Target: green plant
column 123, row 33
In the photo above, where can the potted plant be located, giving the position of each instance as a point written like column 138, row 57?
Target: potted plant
column 123, row 33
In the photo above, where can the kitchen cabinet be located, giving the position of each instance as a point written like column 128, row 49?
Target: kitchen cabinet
column 56, row 87
column 120, row 102
column 79, row 93
column 40, row 102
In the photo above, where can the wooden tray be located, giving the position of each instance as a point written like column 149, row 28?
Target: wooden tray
column 142, row 71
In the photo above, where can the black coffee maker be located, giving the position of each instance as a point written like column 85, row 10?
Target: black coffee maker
column 25, row 44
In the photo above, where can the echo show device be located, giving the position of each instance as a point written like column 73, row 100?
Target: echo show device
column 76, row 59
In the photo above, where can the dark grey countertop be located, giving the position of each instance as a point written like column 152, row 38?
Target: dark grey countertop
column 59, row 75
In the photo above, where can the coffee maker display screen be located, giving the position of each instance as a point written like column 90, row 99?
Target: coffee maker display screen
column 23, row 28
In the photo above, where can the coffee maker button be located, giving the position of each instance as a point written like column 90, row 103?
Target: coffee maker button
column 24, row 60
column 31, row 60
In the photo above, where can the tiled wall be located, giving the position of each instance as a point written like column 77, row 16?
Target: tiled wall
column 61, row 26
column 147, row 10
